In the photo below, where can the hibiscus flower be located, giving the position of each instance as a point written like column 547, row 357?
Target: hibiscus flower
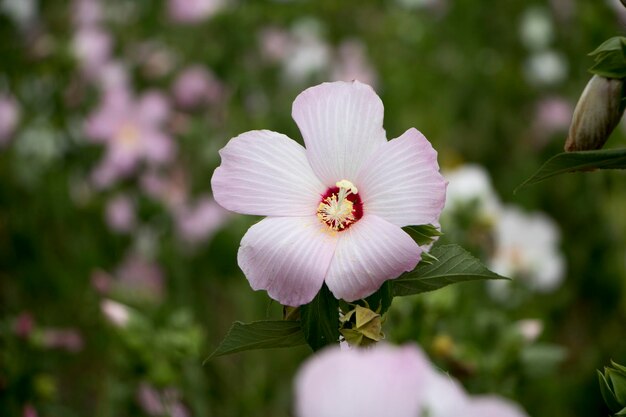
column 387, row 381
column 336, row 209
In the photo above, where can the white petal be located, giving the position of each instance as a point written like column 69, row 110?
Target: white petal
column 368, row 253
column 288, row 257
column 342, row 126
column 267, row 174
column 401, row 182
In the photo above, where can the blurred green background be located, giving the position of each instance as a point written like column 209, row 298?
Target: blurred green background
column 113, row 291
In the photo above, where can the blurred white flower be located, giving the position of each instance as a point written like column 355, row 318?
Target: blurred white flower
column 470, row 185
column 530, row 329
column 308, row 53
column 527, row 249
column 116, row 313
column 536, row 30
column 22, row 12
column 386, row 381
column 92, row 47
column 9, row 118
column 546, row 68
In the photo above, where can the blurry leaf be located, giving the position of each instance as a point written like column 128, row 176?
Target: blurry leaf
column 454, row 264
column 622, row 412
column 423, row 234
column 618, row 381
column 607, row 394
column 619, row 367
column 381, row 298
column 260, row 335
column 610, row 58
column 578, row 161
column 320, row 319
column 542, row 358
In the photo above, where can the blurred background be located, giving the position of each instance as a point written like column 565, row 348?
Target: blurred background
column 118, row 271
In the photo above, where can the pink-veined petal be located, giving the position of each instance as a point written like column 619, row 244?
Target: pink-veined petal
column 491, row 406
column 267, row 174
column 342, row 126
column 401, row 182
column 382, row 381
column 288, row 257
column 370, row 252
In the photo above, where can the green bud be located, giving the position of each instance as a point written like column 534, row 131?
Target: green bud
column 361, row 327
column 597, row 113
column 613, row 388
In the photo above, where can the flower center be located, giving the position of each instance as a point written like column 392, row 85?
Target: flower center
column 340, row 206
column 128, row 136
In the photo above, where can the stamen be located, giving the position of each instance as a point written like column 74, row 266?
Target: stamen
column 340, row 207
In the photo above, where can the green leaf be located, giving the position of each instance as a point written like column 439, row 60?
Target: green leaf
column 423, row 234
column 320, row 319
column 578, row 161
column 607, row 394
column 610, row 58
column 618, row 381
column 260, row 335
column 454, row 265
column 381, row 298
column 622, row 412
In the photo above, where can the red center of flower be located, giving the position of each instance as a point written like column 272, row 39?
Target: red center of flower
column 340, row 207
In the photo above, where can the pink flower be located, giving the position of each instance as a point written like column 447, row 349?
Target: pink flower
column 92, row 47
column 9, row 118
column 132, row 131
column 386, row 381
column 117, row 314
column 196, row 86
column 140, row 278
column 352, row 63
column 198, row 222
column 335, row 209
column 193, row 11
column 66, row 339
column 120, row 214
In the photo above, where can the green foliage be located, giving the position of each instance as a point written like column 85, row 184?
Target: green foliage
column 613, row 388
column 578, row 161
column 260, row 335
column 423, row 234
column 610, row 58
column 320, row 319
column 454, row 264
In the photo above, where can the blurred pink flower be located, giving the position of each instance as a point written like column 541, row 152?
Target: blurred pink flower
column 274, row 43
column 193, row 11
column 66, row 339
column 150, row 400
column 101, row 281
column 199, row 221
column 553, row 114
column 196, row 86
column 9, row 118
column 352, row 63
column 386, row 381
column 86, row 12
column 132, row 130
column 29, row 411
column 92, row 47
column 24, row 325
column 335, row 209
column 139, row 277
column 170, row 189
column 120, row 214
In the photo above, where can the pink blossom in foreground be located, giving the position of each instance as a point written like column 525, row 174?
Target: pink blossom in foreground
column 193, row 11
column 196, row 86
column 386, row 381
column 132, row 130
column 335, row 209
column 9, row 118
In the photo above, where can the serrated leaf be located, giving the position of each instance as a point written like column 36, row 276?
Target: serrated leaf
column 607, row 394
column 578, row 161
column 320, row 319
column 423, row 234
column 454, row 264
column 260, row 335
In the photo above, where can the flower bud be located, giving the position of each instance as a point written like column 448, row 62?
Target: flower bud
column 361, row 327
column 597, row 113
